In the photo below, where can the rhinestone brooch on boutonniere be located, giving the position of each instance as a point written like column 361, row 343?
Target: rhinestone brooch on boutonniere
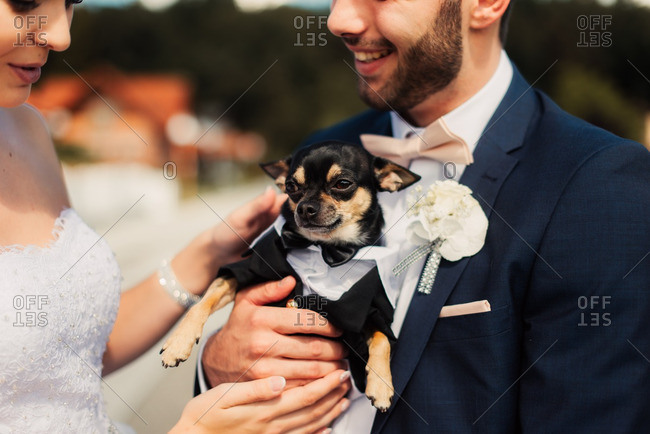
column 445, row 222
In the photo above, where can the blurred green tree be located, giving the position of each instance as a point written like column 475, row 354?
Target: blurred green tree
column 226, row 52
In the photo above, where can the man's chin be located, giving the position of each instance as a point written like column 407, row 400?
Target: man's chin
column 373, row 98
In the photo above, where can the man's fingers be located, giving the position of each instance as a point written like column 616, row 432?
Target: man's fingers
column 303, row 321
column 292, row 369
column 312, row 348
column 269, row 292
column 229, row 395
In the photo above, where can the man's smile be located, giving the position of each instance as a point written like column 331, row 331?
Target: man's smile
column 370, row 56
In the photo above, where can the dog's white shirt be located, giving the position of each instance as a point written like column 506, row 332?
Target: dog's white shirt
column 332, row 282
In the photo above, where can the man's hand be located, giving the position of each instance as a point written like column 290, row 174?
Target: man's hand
column 259, row 341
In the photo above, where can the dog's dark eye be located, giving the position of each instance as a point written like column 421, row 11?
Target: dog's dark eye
column 342, row 184
column 290, row 187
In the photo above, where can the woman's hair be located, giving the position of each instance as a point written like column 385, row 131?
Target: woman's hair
column 505, row 19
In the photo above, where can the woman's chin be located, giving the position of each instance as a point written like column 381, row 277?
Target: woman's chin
column 14, row 97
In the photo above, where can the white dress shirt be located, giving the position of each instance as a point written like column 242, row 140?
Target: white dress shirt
column 467, row 121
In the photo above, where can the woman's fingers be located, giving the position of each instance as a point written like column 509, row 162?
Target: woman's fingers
column 318, row 425
column 231, row 394
column 317, row 416
column 308, row 395
column 266, row 404
column 294, row 369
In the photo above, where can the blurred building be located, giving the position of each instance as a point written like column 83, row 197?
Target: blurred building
column 112, row 117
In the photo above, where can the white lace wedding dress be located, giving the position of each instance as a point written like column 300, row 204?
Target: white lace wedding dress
column 57, row 308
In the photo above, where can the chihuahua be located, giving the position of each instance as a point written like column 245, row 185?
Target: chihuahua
column 332, row 188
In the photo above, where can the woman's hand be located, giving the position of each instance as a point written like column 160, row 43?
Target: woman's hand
column 148, row 309
column 232, row 237
column 264, row 406
column 197, row 264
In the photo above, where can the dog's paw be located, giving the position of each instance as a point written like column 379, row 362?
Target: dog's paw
column 175, row 351
column 379, row 390
column 179, row 346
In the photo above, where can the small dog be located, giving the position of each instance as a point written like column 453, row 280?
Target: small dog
column 332, row 203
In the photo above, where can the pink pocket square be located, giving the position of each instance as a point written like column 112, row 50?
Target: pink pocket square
column 465, row 308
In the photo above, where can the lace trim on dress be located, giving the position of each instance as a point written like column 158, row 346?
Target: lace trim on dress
column 58, row 230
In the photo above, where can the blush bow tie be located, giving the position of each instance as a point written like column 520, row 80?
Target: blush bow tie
column 435, row 142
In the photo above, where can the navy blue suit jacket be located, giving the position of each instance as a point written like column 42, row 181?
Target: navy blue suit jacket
column 566, row 269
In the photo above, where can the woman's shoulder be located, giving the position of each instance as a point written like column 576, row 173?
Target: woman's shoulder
column 31, row 129
column 29, row 117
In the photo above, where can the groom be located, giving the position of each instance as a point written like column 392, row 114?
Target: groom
column 565, row 265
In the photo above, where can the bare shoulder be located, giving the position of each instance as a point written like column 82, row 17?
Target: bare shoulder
column 32, row 129
column 31, row 121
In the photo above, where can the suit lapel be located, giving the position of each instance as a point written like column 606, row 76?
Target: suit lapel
column 382, row 126
column 493, row 163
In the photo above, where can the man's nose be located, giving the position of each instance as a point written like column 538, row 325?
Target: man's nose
column 348, row 17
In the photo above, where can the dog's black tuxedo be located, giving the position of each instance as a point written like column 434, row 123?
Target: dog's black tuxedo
column 362, row 309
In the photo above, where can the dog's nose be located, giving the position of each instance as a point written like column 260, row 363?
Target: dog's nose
column 308, row 209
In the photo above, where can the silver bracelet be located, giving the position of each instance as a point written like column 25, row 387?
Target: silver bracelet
column 170, row 283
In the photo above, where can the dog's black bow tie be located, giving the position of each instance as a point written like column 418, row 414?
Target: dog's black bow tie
column 332, row 254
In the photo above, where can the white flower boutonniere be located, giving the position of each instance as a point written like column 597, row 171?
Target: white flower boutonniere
column 445, row 222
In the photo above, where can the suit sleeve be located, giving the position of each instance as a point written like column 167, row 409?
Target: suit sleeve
column 586, row 341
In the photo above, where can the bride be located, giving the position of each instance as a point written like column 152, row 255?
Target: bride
column 50, row 261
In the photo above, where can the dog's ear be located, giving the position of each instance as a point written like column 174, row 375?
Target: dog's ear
column 278, row 170
column 392, row 177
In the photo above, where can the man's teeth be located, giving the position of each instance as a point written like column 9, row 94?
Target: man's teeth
column 369, row 57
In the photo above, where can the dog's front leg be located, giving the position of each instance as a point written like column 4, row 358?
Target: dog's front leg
column 179, row 345
column 379, row 381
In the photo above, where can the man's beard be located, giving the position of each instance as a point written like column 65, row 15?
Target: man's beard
column 427, row 67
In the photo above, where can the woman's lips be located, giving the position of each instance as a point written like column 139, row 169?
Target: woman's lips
column 26, row 73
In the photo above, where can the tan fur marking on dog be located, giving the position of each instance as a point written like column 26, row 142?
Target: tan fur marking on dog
column 379, row 385
column 299, row 175
column 391, row 182
column 358, row 204
column 280, row 181
column 350, row 212
column 179, row 346
column 334, row 171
